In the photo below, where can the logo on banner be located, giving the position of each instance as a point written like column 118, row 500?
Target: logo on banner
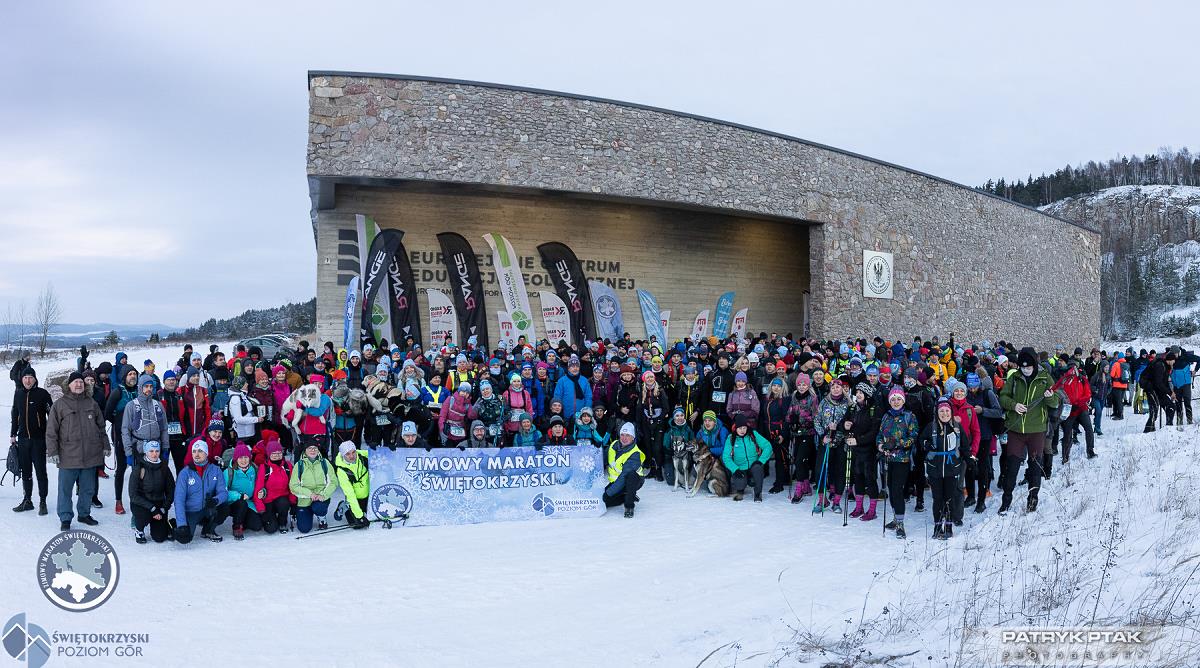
column 877, row 275
column 564, row 273
column 464, row 281
column 606, row 306
column 78, row 570
column 543, row 504
column 378, row 315
column 26, row 642
column 391, row 501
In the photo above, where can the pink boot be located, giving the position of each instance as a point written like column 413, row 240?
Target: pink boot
column 858, row 511
column 870, row 514
column 798, row 492
column 837, row 503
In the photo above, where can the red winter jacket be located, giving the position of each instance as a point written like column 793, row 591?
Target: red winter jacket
column 965, row 413
column 273, row 479
column 1078, row 391
column 197, row 410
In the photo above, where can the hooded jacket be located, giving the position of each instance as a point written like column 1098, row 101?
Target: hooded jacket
column 1029, row 391
column 144, row 420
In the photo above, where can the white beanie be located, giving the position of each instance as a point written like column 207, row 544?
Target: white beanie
column 345, row 447
column 627, row 429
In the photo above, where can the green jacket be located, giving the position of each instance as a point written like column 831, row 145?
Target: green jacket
column 742, row 451
column 1018, row 390
column 312, row 476
column 354, row 481
column 683, row 433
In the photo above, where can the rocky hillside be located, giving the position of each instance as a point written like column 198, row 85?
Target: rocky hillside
column 1150, row 277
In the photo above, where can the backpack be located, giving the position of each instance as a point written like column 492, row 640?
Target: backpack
column 13, row 465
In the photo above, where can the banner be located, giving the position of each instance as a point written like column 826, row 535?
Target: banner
column 572, row 288
column 507, row 335
column 700, row 326
column 441, row 319
column 451, row 486
column 739, row 324
column 466, row 286
column 724, row 310
column 379, row 259
column 609, row 323
column 512, row 286
column 381, row 326
column 666, row 325
column 554, row 315
column 404, row 312
column 651, row 317
column 348, row 317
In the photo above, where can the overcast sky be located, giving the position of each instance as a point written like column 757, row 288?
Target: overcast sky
column 152, row 157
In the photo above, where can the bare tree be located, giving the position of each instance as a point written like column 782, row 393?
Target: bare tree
column 13, row 324
column 47, row 312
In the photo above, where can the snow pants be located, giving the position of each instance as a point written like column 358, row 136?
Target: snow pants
column 945, row 480
column 244, row 515
column 276, row 514
column 804, row 457
column 866, row 472
column 739, row 479
column 304, row 516
column 1084, row 420
column 142, row 518
column 207, row 520
column 1183, row 402
column 626, row 494
column 1022, row 447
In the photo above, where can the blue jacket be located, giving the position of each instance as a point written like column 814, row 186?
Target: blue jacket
column 193, row 490
column 1181, row 373
column 715, row 439
column 564, row 391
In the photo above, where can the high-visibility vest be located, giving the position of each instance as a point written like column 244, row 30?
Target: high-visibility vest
column 616, row 464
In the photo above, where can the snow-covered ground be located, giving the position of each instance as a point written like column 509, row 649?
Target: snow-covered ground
column 687, row 582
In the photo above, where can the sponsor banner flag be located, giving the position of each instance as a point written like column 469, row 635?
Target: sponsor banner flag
column 507, row 334
column 666, row 325
column 724, row 311
column 466, row 286
column 609, row 322
column 451, row 486
column 379, row 259
column 700, row 325
column 739, row 323
column 405, row 314
column 348, row 317
column 512, row 286
column 572, row 287
column 442, row 322
column 651, row 317
column 381, row 326
column 554, row 315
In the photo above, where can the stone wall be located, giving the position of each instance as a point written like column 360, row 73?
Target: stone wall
column 964, row 261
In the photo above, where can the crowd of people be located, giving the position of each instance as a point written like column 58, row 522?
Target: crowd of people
column 266, row 443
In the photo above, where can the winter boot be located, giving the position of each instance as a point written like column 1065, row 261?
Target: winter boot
column 65, row 526
column 890, row 525
column 900, row 530
column 820, row 504
column 979, row 505
column 96, row 502
column 23, row 506
column 757, row 497
column 119, row 508
column 1005, row 503
column 239, row 533
column 870, row 514
column 776, row 488
column 211, row 535
column 947, row 531
column 858, row 507
column 798, row 492
column 42, row 507
column 937, row 531
column 837, row 503
column 139, row 537
column 1032, row 502
column 629, row 512
column 322, row 524
column 969, row 501
column 737, row 496
column 89, row 520
column 920, row 508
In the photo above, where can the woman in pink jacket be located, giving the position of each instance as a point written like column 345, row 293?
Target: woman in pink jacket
column 456, row 414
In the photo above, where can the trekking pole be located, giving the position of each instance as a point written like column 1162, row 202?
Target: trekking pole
column 887, row 500
column 846, row 489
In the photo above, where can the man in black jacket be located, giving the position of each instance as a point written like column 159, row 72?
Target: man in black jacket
column 1156, row 383
column 31, row 406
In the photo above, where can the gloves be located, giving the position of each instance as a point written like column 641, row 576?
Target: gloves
column 129, row 460
column 53, row 459
column 212, row 502
column 181, row 533
column 971, row 465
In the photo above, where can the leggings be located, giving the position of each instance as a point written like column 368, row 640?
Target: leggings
column 142, row 517
column 276, row 514
column 245, row 516
column 897, row 476
column 804, row 457
column 31, row 452
column 864, row 472
column 119, row 458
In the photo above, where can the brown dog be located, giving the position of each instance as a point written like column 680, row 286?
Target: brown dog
column 709, row 470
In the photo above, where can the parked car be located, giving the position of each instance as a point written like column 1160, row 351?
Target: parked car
column 270, row 344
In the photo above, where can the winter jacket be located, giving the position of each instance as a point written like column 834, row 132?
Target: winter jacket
column 573, row 398
column 1077, row 390
column 676, row 433
column 529, row 439
column 457, row 411
column 514, row 403
column 151, row 486
column 742, row 451
column 312, row 477
column 587, row 432
column 803, row 411
column 864, row 425
column 75, row 432
column 621, row 462
column 1028, row 391
column 1156, row 380
column 196, row 410
column 273, row 482
column 991, row 419
column 773, row 422
column 689, row 397
column 717, row 389
column 239, row 483
column 354, row 481
column 143, row 420
column 743, row 402
column 1120, row 374
column 964, row 412
column 942, row 443
column 243, row 411
column 1181, row 373
column 898, row 432
column 196, row 489
column 31, row 409
column 715, row 439
column 114, row 408
column 830, row 414
column 172, row 403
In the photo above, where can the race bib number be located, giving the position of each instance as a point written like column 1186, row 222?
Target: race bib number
column 174, row 428
column 457, row 431
column 718, row 397
column 584, row 441
column 262, row 411
column 383, row 420
column 493, row 430
column 433, row 403
column 514, row 417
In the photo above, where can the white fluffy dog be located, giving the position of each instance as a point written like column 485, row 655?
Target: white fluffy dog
column 305, row 396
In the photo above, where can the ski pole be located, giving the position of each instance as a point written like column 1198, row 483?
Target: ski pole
column 846, row 489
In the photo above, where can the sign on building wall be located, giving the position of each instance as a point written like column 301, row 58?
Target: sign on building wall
column 877, row 275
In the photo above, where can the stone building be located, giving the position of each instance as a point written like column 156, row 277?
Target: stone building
column 685, row 207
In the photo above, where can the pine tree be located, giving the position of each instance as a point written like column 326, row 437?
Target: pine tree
column 112, row 339
column 1190, row 288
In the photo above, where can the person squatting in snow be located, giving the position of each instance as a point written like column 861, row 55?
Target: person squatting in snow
column 851, row 422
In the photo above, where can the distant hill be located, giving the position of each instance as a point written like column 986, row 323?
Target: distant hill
column 297, row 318
column 73, row 335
